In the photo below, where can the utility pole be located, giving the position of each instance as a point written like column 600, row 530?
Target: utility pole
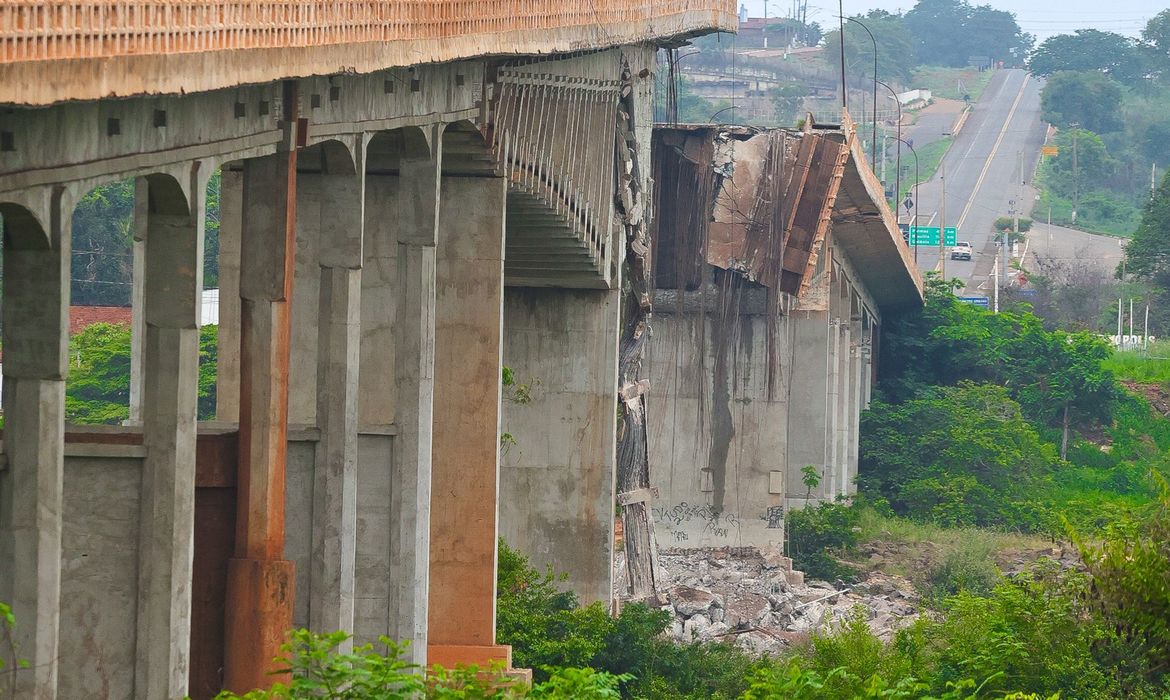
column 1146, row 331
column 942, row 223
column 885, row 140
column 995, row 280
column 1131, row 319
column 1119, row 324
column 1076, row 180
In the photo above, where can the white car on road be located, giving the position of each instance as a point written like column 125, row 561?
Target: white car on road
column 961, row 251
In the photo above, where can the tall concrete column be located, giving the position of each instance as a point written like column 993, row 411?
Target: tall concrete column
column 414, row 380
column 260, row 581
column 844, row 405
column 856, row 398
column 331, row 574
column 173, row 286
column 465, row 476
column 227, row 376
column 138, row 301
column 832, row 406
column 808, row 403
column 36, row 337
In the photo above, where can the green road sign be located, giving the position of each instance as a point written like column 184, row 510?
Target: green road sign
column 928, row 235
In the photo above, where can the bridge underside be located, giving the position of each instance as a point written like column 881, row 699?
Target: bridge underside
column 380, row 260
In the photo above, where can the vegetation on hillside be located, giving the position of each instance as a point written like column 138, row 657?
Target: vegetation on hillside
column 1106, row 93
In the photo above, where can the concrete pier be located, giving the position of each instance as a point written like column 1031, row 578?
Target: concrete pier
column 173, row 265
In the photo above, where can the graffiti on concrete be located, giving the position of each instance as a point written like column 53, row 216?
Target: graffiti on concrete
column 774, row 517
column 715, row 522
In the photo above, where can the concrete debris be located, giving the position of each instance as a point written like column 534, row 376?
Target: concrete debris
column 754, row 599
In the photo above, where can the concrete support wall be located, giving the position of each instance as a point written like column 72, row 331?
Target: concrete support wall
column 465, row 474
column 36, row 331
column 173, row 288
column 718, row 438
column 557, row 480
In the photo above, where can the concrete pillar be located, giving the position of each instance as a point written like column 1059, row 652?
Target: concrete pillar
column 808, row 405
column 138, row 302
column 832, row 406
column 173, row 265
column 466, row 428
column 227, row 378
column 856, row 398
column 414, row 381
column 36, row 336
column 844, row 405
column 260, row 581
column 558, row 480
column 331, row 574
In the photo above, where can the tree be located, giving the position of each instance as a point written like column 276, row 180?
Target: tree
column 959, row 455
column 1088, row 98
column 787, row 101
column 895, row 47
column 1090, row 50
column 98, row 387
column 103, row 229
column 1156, row 37
column 949, row 32
column 1147, row 257
column 1072, row 292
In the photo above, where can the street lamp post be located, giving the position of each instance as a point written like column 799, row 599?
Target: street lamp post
column 711, row 119
column 873, row 147
column 914, row 221
column 898, row 162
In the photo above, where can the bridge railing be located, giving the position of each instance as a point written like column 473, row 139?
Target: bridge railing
column 35, row 30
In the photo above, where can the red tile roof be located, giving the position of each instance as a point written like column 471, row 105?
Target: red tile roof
column 82, row 317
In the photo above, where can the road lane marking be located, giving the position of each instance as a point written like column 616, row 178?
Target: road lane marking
column 987, row 166
column 994, row 149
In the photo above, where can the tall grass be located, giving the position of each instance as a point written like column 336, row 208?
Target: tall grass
column 1149, row 367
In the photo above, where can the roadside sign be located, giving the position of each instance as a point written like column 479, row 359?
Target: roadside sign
column 976, row 301
column 1049, row 150
column 928, row 235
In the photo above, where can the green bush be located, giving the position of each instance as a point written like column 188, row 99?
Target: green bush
column 317, row 669
column 816, row 535
column 548, row 630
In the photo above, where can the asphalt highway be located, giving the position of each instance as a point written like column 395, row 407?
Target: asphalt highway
column 987, row 172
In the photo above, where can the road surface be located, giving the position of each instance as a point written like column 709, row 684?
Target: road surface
column 982, row 173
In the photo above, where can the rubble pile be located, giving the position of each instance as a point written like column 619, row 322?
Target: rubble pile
column 755, row 600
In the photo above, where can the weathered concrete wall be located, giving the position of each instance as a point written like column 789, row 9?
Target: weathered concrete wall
column 808, row 418
column 718, row 437
column 99, row 571
column 557, row 481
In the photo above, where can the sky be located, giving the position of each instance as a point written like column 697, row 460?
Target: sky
column 1044, row 18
